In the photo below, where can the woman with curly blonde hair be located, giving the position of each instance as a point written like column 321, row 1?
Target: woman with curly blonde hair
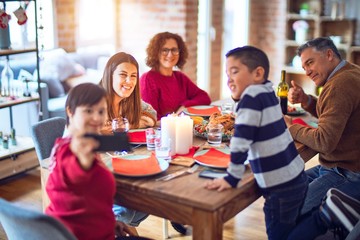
column 169, row 91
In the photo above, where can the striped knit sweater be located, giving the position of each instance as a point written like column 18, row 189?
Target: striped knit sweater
column 262, row 138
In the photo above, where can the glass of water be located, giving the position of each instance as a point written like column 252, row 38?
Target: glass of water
column 151, row 134
column 214, row 133
column 162, row 148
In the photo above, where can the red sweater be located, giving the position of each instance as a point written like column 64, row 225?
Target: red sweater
column 167, row 93
column 80, row 199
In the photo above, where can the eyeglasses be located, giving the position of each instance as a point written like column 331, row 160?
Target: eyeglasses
column 174, row 51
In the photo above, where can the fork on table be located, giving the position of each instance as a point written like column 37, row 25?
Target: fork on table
column 178, row 173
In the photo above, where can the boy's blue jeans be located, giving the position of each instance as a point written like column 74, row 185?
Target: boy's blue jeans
column 282, row 206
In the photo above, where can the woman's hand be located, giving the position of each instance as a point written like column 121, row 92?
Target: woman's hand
column 83, row 149
column 220, row 184
column 146, row 121
column 180, row 110
column 106, row 130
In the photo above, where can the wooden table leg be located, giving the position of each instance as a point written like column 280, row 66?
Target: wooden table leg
column 207, row 226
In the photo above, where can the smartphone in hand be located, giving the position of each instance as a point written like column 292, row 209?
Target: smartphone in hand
column 118, row 142
column 211, row 173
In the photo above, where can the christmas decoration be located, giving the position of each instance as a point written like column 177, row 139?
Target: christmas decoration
column 20, row 14
column 4, row 19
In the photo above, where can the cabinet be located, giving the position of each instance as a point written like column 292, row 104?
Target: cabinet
column 320, row 24
column 21, row 156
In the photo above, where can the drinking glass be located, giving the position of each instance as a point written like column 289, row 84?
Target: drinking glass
column 227, row 108
column 214, row 133
column 151, row 134
column 162, row 148
column 120, row 125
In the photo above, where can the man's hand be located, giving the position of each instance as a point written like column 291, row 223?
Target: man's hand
column 288, row 120
column 220, row 184
column 297, row 95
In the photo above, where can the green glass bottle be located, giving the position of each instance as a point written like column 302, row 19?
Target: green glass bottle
column 282, row 92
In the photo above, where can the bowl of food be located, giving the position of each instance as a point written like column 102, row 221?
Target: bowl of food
column 227, row 120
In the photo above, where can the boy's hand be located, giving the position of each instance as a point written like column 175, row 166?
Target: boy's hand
column 220, row 184
column 121, row 229
column 83, row 149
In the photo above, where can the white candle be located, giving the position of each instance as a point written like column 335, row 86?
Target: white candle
column 182, row 136
column 190, row 127
column 168, row 131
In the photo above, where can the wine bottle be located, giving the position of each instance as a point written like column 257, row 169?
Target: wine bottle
column 282, row 92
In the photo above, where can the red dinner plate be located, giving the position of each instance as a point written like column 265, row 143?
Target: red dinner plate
column 215, row 158
column 201, row 110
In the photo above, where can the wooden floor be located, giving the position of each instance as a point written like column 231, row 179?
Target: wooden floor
column 25, row 191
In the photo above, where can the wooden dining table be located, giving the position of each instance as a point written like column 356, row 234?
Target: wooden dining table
column 186, row 201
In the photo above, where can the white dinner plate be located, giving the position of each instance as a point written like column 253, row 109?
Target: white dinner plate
column 163, row 164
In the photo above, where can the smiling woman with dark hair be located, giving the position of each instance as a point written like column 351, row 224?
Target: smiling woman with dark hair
column 121, row 82
column 169, row 91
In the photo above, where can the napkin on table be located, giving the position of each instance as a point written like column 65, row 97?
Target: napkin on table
column 214, row 157
column 137, row 137
column 144, row 166
column 185, row 159
column 300, row 121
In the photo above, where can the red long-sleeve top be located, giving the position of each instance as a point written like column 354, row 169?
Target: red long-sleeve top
column 81, row 199
column 167, row 93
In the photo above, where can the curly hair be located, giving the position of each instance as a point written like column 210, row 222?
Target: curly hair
column 155, row 46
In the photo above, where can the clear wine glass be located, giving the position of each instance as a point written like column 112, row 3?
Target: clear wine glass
column 120, row 125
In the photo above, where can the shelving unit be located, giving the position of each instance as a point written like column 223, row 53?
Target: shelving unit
column 20, row 157
column 319, row 25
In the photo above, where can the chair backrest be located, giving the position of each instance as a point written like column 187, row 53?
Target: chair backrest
column 44, row 134
column 20, row 223
column 354, row 233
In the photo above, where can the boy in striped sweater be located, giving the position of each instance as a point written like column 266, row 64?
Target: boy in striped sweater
column 262, row 138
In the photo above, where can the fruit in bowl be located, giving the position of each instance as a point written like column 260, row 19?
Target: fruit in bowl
column 197, row 119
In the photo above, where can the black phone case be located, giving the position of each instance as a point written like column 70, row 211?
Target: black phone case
column 208, row 173
column 119, row 142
